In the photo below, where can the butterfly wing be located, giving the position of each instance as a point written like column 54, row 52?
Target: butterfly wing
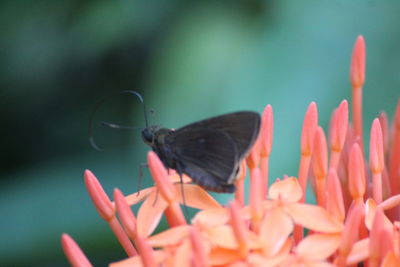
column 243, row 128
column 208, row 156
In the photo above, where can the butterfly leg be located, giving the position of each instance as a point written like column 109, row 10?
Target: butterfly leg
column 139, row 184
column 156, row 198
column 180, row 172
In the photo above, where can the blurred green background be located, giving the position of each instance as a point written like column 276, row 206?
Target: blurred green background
column 190, row 60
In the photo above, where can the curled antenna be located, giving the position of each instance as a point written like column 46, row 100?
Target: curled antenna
column 117, row 126
column 111, row 125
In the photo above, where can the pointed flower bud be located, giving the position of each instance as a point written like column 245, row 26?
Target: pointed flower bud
column 394, row 162
column 160, row 176
column 73, row 252
column 320, row 157
column 396, row 238
column 125, row 214
column 376, row 238
column 309, row 126
column 267, row 130
column 383, row 119
column 376, row 159
column 339, row 126
column 357, row 68
column 146, row 252
column 99, row 197
column 350, row 233
column 307, row 141
column 199, row 251
column 356, row 173
column 239, row 228
column 320, row 165
column 335, row 204
column 253, row 159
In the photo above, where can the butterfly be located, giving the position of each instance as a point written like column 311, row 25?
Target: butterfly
column 208, row 151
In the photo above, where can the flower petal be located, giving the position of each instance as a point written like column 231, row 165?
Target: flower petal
column 136, row 261
column 196, row 197
column 390, row 202
column 318, row 246
column 359, row 252
column 267, row 205
column 149, row 214
column 221, row 256
column 318, row 264
column 274, row 231
column 169, row 237
column 391, row 260
column 222, row 236
column 287, row 190
column 239, row 264
column 139, row 196
column 211, row 217
column 314, row 218
column 183, row 255
column 129, row 262
column 287, row 246
column 258, row 260
column 370, row 211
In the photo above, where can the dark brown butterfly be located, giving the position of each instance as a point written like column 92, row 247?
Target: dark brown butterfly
column 208, row 151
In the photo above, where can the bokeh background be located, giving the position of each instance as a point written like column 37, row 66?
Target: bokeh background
column 189, row 60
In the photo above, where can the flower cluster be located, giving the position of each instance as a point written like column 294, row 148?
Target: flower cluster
column 355, row 220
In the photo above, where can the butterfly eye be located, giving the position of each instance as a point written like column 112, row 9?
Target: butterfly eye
column 148, row 136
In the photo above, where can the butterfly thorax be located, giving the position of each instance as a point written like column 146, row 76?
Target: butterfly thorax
column 159, row 140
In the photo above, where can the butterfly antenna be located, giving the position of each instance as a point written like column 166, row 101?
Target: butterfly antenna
column 112, row 125
column 145, row 115
column 141, row 100
column 117, row 126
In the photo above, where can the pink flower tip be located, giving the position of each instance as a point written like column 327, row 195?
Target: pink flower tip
column 357, row 68
column 309, row 126
column 376, row 158
column 335, row 204
column 73, row 252
column 397, row 115
column 320, row 155
column 384, row 121
column 357, row 181
column 351, row 230
column 254, row 157
column 146, row 252
column 238, row 226
column 376, row 235
column 100, row 199
column 125, row 213
column 339, row 126
column 267, row 129
column 199, row 251
column 160, row 176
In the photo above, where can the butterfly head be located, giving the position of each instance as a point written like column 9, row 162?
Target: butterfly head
column 149, row 134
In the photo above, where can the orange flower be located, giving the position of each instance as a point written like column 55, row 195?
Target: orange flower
column 354, row 220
